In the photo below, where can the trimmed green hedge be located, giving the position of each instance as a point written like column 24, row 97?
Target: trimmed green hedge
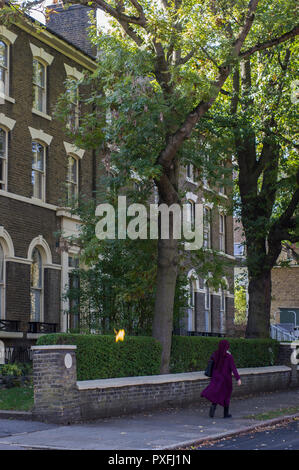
column 191, row 353
column 100, row 357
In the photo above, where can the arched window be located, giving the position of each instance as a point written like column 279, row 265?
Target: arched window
column 3, row 159
column 2, row 283
column 3, row 67
column 36, row 286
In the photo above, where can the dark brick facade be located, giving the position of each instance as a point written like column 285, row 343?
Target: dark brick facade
column 27, row 220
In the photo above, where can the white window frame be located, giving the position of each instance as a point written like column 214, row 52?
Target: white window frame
column 190, row 173
column 4, row 90
column 43, row 173
column 4, row 180
column 207, row 227
column 8, row 38
column 208, row 297
column 43, row 104
column 222, row 233
column 39, row 289
column 72, row 255
column 68, row 182
column 222, row 311
column 3, row 285
column 191, row 212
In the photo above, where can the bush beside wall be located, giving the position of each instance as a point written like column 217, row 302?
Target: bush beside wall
column 191, row 353
column 100, row 357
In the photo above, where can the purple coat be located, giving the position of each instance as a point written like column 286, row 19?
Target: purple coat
column 220, row 388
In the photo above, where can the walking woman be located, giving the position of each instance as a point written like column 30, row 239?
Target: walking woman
column 220, row 388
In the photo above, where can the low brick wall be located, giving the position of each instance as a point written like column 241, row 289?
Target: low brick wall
column 60, row 398
column 113, row 397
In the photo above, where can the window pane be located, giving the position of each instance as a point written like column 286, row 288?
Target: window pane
column 35, row 305
column 36, row 269
column 1, row 265
column 38, row 73
column 38, row 156
column 72, row 170
column 3, row 54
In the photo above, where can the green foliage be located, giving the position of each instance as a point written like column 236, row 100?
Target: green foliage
column 11, row 369
column 240, row 305
column 100, row 357
column 191, row 353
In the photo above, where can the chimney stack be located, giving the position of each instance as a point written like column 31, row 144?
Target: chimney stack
column 72, row 24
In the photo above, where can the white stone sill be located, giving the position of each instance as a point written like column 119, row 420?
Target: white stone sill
column 168, row 378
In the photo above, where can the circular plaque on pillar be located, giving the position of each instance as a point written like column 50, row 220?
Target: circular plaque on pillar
column 68, row 361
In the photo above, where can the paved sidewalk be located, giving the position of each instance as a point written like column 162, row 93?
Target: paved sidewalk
column 158, row 430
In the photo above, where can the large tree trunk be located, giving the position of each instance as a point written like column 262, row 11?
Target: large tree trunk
column 166, row 282
column 259, row 289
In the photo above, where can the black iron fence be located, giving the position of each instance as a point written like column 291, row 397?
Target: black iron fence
column 18, row 354
column 9, row 325
column 39, row 327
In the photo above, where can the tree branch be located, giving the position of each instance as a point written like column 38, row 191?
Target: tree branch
column 272, row 42
column 175, row 140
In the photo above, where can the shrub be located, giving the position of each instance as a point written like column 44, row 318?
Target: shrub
column 11, row 369
column 100, row 357
column 191, row 353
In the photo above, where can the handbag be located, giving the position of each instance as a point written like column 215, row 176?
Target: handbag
column 209, row 369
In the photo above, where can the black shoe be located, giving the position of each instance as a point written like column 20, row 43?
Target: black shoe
column 212, row 410
column 226, row 413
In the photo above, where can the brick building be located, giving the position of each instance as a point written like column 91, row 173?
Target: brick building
column 39, row 170
column 210, row 311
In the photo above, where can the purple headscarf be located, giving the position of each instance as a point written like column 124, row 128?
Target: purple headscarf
column 220, row 354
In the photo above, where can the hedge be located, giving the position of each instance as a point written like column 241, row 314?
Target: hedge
column 191, row 353
column 100, row 357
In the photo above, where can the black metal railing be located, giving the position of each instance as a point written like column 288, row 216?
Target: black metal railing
column 18, row 354
column 183, row 332
column 9, row 325
column 41, row 327
column 205, row 333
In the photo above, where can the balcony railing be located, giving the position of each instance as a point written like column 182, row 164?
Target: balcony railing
column 9, row 325
column 183, row 332
column 40, row 327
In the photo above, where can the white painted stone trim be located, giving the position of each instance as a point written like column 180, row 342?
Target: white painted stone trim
column 168, row 378
column 72, row 149
column 27, row 200
column 46, row 253
column 191, row 197
column 8, row 334
column 9, row 250
column 41, row 114
column 7, row 98
column 40, row 53
column 40, row 135
column 72, row 72
column 7, row 34
column 7, row 122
